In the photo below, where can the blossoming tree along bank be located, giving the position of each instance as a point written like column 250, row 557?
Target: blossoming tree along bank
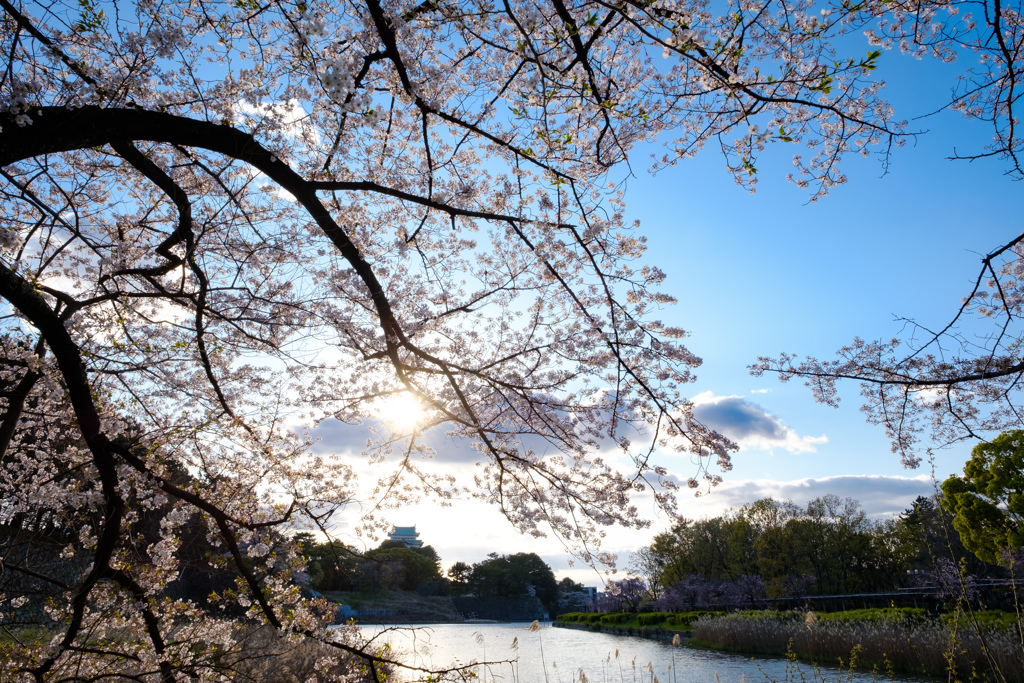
column 221, row 219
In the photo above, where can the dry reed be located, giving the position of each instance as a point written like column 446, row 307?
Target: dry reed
column 888, row 645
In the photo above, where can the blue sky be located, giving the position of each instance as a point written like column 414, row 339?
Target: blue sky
column 764, row 273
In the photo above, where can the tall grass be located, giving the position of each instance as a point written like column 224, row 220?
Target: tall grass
column 918, row 646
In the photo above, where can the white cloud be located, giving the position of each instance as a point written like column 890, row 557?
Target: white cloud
column 750, row 425
column 289, row 114
column 930, row 394
column 880, row 496
column 469, row 529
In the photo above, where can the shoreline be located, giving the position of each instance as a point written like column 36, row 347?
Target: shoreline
column 649, row 632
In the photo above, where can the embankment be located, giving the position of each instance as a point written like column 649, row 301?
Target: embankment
column 407, row 607
column 394, row 607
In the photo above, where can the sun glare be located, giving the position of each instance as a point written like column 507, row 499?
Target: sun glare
column 403, row 411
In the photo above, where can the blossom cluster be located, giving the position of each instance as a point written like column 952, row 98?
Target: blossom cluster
column 226, row 222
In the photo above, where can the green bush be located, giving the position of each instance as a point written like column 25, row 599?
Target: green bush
column 685, row 619
column 615, row 618
column 592, row 618
column 992, row 619
column 572, row 617
column 653, row 618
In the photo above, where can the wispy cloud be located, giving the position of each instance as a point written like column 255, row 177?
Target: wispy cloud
column 880, row 496
column 750, row 425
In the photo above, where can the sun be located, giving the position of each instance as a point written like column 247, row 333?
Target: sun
column 402, row 411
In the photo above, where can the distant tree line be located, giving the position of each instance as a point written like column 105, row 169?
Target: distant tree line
column 777, row 549
column 393, row 566
column 390, row 566
column 508, row 576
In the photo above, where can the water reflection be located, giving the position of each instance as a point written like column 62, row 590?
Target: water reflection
column 557, row 655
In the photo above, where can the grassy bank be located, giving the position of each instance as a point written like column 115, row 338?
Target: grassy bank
column 894, row 642
column 675, row 621
column 653, row 632
column 985, row 646
column 655, row 625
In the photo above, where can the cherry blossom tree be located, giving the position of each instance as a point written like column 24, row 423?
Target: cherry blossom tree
column 226, row 220
column 625, row 595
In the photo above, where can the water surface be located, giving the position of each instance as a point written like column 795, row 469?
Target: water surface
column 558, row 655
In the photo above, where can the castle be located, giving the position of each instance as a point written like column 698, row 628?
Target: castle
column 406, row 535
